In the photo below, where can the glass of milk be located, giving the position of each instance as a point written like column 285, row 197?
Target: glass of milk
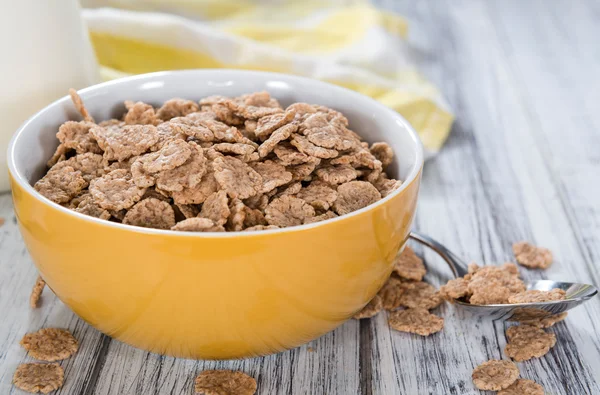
column 45, row 51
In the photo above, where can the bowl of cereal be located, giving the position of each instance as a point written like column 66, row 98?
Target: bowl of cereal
column 215, row 214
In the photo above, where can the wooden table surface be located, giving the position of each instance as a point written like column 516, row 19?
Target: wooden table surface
column 523, row 162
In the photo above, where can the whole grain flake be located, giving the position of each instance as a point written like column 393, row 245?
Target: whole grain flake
column 495, row 375
column 532, row 256
column 39, row 377
column 527, row 342
column 417, row 320
column 409, row 266
column 237, row 163
column 224, row 382
column 523, row 387
column 50, row 344
column 36, row 292
column 371, row 309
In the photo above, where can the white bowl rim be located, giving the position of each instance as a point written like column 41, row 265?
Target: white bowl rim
column 20, row 179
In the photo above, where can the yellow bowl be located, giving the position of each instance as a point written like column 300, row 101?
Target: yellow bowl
column 214, row 295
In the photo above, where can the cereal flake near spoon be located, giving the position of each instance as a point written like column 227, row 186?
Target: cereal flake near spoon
column 574, row 293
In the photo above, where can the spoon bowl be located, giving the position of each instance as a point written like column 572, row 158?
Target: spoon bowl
column 576, row 293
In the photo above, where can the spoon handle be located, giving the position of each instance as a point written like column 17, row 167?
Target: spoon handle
column 458, row 266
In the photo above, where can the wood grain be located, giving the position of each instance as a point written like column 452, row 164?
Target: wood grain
column 523, row 162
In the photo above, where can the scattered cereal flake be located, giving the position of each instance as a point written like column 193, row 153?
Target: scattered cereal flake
column 409, row 266
column 88, row 206
column 123, row 143
column 420, row 295
column 288, row 155
column 260, row 227
column 273, row 174
column 383, row 152
column 140, row 113
column 39, row 377
column 207, row 186
column 61, row 185
column 545, row 322
column 319, row 195
column 173, row 154
column 151, row 213
column 268, row 124
column 391, row 292
column 322, row 217
column 50, row 344
column 495, row 375
column 535, row 296
column 116, row 190
column 494, row 284
column 224, row 382
column 2, row 221
column 176, row 108
column 36, row 292
column 279, row 135
column 237, row 178
column 188, row 210
column 288, row 211
column 301, row 172
column 337, row 174
column 523, row 387
column 198, row 225
column 234, row 148
column 188, row 175
column 237, row 215
column 455, row 289
column 418, row 320
column 355, row 195
column 473, row 267
column 495, row 294
column 526, row 342
column 310, row 149
column 216, row 208
column 371, row 309
column 77, row 136
column 511, row 268
column 89, row 164
column 532, row 256
column 79, row 106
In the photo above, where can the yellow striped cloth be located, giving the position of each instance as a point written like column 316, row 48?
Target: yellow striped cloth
column 351, row 44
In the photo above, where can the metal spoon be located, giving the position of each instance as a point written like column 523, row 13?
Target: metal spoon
column 575, row 293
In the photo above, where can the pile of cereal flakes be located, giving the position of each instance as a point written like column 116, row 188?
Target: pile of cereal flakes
column 408, row 300
column 222, row 164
